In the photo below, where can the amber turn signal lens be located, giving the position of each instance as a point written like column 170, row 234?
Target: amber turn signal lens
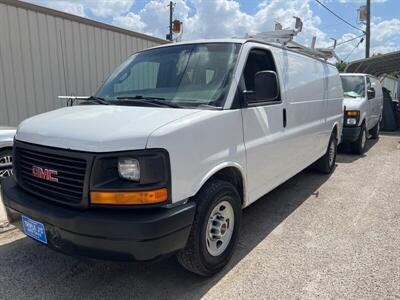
column 352, row 113
column 129, row 198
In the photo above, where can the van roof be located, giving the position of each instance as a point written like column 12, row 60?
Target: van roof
column 357, row 74
column 353, row 74
column 237, row 41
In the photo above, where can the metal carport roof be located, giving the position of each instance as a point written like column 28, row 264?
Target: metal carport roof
column 377, row 65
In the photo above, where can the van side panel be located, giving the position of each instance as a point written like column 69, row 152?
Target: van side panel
column 376, row 102
column 334, row 111
column 306, row 106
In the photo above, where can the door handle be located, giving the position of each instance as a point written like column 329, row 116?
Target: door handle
column 284, row 118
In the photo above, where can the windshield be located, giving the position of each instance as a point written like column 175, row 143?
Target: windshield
column 353, row 86
column 184, row 76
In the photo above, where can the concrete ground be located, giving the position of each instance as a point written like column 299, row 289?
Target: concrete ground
column 314, row 237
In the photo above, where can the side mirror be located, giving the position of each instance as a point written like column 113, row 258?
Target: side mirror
column 265, row 87
column 371, row 93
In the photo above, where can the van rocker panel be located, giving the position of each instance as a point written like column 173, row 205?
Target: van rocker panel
column 112, row 234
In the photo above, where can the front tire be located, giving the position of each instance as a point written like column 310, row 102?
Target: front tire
column 375, row 131
column 215, row 229
column 359, row 146
column 326, row 164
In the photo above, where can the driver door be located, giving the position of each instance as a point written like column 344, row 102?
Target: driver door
column 264, row 128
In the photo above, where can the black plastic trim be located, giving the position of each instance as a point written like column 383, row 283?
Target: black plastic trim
column 106, row 234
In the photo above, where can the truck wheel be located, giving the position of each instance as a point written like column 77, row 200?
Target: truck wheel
column 215, row 229
column 326, row 164
column 375, row 131
column 358, row 146
column 6, row 157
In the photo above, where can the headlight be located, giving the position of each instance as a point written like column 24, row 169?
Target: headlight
column 129, row 168
column 351, row 121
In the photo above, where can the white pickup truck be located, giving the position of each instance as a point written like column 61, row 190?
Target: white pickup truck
column 175, row 143
column 363, row 104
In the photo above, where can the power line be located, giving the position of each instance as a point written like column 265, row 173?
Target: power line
column 354, row 38
column 337, row 16
column 351, row 52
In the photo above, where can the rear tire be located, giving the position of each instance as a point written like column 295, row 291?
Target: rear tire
column 358, row 147
column 375, row 131
column 326, row 164
column 218, row 217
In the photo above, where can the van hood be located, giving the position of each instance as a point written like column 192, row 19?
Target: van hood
column 98, row 128
column 353, row 103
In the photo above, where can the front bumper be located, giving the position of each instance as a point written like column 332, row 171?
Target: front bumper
column 350, row 134
column 114, row 234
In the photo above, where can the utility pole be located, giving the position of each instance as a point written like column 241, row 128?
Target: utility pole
column 171, row 12
column 368, row 30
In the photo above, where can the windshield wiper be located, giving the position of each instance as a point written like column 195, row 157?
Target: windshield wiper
column 85, row 98
column 208, row 106
column 98, row 100
column 156, row 101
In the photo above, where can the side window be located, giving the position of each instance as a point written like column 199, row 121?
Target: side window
column 258, row 60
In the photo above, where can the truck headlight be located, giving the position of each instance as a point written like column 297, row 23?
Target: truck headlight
column 351, row 121
column 129, row 168
column 351, row 117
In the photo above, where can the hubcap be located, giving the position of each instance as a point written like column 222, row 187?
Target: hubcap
column 220, row 228
column 332, row 152
column 5, row 160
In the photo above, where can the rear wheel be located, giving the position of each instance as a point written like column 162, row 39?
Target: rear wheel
column 5, row 158
column 326, row 164
column 215, row 229
column 359, row 145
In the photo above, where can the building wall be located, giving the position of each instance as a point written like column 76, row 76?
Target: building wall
column 45, row 53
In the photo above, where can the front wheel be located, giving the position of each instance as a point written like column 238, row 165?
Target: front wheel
column 375, row 131
column 359, row 145
column 215, row 229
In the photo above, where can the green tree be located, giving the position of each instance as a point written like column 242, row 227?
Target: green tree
column 341, row 66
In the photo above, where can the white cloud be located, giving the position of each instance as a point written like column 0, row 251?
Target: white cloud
column 99, row 8
column 224, row 18
column 385, row 37
column 130, row 21
column 361, row 1
column 107, row 8
column 68, row 7
column 385, row 30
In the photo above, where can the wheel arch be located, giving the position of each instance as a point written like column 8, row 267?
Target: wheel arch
column 336, row 129
column 228, row 171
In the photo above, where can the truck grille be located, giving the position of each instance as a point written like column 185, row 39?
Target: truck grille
column 67, row 182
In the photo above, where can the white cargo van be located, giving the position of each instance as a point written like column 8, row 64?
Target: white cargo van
column 175, row 143
column 363, row 104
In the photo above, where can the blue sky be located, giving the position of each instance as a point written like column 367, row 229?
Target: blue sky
column 226, row 18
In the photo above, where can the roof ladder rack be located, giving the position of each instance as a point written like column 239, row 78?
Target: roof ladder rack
column 285, row 38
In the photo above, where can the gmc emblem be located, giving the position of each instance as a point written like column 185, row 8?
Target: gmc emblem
column 45, row 174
